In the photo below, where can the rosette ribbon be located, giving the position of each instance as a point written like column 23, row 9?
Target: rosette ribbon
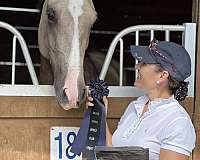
column 92, row 131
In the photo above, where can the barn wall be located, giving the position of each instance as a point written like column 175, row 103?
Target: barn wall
column 196, row 116
column 26, row 121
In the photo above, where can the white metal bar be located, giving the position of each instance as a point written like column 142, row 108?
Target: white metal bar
column 130, row 30
column 48, row 90
column 167, row 35
column 92, row 31
column 13, row 59
column 17, row 64
column 19, row 9
column 152, row 35
column 24, row 50
column 137, row 38
column 189, row 43
column 136, row 43
column 27, row 28
column 104, row 32
column 121, row 61
column 116, row 50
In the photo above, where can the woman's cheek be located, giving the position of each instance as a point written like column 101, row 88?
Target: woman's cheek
column 136, row 83
column 139, row 84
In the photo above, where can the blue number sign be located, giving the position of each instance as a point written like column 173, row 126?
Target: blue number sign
column 62, row 139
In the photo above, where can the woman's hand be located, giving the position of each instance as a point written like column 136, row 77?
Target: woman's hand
column 89, row 103
column 105, row 101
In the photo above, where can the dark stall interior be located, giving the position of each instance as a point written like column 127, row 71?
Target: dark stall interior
column 113, row 15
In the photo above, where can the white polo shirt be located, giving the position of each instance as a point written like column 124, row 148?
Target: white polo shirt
column 166, row 125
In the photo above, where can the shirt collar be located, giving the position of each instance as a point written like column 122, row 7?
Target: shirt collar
column 153, row 105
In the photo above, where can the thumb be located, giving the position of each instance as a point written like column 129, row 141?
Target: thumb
column 105, row 101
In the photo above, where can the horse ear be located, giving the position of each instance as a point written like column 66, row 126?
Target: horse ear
column 92, row 4
column 42, row 33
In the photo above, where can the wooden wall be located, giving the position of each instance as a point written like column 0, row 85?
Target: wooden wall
column 196, row 116
column 25, row 124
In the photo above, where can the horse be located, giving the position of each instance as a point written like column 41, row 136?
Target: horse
column 63, row 38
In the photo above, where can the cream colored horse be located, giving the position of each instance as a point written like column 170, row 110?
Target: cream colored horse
column 63, row 39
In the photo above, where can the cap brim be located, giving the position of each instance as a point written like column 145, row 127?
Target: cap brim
column 142, row 53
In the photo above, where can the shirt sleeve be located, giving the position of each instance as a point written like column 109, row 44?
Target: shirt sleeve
column 179, row 136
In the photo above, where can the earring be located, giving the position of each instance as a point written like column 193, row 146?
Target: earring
column 157, row 82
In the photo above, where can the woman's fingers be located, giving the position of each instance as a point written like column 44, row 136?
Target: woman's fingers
column 88, row 102
column 105, row 101
column 90, row 98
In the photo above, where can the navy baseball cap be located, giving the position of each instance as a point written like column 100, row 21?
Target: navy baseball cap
column 172, row 57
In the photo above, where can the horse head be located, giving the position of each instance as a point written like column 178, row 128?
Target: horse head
column 63, row 38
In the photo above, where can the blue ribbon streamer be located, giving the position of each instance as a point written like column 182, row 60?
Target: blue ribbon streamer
column 79, row 144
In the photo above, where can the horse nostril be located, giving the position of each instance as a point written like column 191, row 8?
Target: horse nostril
column 64, row 93
column 77, row 103
column 84, row 93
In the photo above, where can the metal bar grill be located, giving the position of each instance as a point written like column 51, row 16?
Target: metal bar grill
column 121, row 61
column 13, row 59
column 13, row 9
column 24, row 50
column 189, row 35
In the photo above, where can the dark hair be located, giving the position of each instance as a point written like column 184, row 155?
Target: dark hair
column 178, row 88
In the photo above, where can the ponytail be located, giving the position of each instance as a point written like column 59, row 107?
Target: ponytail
column 178, row 89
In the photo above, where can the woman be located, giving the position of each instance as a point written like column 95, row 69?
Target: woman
column 156, row 120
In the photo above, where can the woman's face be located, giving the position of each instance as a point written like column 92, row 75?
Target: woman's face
column 148, row 76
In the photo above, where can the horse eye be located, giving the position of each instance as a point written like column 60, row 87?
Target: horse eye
column 51, row 13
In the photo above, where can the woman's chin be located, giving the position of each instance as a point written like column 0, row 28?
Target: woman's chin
column 139, row 86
